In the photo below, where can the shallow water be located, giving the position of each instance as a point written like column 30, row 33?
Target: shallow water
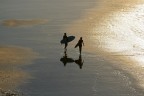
column 39, row 25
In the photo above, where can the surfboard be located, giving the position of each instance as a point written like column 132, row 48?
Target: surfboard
column 76, row 45
column 68, row 60
column 70, row 38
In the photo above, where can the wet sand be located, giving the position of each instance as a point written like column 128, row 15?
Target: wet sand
column 95, row 27
column 19, row 22
column 11, row 74
column 103, row 73
column 16, row 55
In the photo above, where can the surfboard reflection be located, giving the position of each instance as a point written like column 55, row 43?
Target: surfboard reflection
column 65, row 60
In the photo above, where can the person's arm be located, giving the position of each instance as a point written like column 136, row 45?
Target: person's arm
column 83, row 43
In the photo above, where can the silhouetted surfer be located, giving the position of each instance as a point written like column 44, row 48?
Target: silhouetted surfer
column 79, row 62
column 80, row 43
column 66, row 40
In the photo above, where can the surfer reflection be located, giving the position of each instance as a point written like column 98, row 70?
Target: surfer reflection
column 66, row 40
column 79, row 61
column 65, row 59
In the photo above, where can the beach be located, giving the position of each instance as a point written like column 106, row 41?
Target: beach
column 31, row 53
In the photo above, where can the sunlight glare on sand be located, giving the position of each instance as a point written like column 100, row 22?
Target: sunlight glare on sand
column 124, row 33
column 121, row 35
column 114, row 30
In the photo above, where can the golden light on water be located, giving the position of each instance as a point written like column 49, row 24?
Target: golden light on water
column 115, row 31
column 121, row 37
column 122, row 33
column 94, row 21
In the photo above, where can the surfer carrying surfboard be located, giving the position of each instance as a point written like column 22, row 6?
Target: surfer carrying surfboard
column 65, row 38
column 80, row 43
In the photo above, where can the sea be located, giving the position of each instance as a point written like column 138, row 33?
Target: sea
column 33, row 62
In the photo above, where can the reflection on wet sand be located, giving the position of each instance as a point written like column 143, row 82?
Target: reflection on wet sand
column 10, row 75
column 79, row 62
column 66, row 60
column 19, row 22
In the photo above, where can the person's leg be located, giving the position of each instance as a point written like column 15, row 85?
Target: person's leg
column 80, row 48
column 66, row 44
